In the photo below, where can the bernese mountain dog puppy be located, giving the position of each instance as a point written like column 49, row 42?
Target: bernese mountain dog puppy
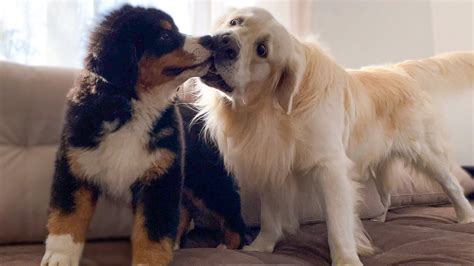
column 123, row 138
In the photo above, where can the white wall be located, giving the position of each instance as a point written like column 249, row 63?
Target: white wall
column 360, row 33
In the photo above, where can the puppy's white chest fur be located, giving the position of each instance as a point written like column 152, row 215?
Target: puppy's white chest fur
column 122, row 156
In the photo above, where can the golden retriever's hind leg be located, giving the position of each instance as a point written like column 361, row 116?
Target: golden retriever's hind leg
column 437, row 169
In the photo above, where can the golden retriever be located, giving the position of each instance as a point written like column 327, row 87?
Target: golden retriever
column 293, row 124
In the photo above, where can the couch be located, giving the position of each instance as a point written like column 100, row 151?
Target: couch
column 420, row 228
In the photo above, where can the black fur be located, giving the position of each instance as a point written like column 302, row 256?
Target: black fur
column 206, row 176
column 107, row 87
column 65, row 184
column 105, row 93
column 168, row 119
column 160, row 198
column 470, row 170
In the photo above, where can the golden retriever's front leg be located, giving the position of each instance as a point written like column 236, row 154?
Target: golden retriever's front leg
column 271, row 223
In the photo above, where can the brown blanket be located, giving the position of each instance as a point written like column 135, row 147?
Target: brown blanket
column 412, row 235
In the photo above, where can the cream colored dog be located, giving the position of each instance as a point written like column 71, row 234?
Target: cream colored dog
column 292, row 124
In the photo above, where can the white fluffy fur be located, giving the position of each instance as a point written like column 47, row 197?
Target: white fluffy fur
column 309, row 128
column 120, row 157
column 62, row 250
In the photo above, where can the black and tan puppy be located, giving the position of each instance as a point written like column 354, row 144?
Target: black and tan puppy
column 123, row 135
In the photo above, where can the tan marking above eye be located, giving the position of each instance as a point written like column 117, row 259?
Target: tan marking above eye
column 165, row 24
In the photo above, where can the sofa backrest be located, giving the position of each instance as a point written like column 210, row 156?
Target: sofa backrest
column 32, row 105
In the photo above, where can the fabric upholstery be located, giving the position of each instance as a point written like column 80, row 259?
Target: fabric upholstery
column 411, row 188
column 32, row 104
column 411, row 236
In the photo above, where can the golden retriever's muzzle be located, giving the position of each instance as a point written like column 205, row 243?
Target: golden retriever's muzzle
column 227, row 48
column 226, row 52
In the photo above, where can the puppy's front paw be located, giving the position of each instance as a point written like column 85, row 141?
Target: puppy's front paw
column 58, row 259
column 61, row 250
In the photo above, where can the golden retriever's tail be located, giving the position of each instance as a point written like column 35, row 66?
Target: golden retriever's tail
column 446, row 71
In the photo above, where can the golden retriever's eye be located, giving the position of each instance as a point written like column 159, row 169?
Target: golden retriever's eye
column 235, row 21
column 262, row 50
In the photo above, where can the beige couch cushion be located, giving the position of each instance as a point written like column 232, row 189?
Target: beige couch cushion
column 32, row 103
column 412, row 188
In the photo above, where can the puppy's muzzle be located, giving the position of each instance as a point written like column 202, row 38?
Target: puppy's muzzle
column 207, row 42
column 227, row 47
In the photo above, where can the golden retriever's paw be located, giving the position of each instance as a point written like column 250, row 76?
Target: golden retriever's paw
column 347, row 261
column 259, row 248
column 381, row 218
column 58, row 259
column 176, row 246
column 221, row 246
column 467, row 220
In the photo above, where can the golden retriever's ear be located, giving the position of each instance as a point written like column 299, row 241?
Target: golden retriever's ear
column 289, row 82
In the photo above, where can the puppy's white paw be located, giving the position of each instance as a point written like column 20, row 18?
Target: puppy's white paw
column 354, row 261
column 61, row 250
column 58, row 259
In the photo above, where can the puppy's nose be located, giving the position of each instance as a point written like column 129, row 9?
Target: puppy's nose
column 227, row 47
column 206, row 41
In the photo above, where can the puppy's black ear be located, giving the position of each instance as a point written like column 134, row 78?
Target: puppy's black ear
column 118, row 64
column 290, row 79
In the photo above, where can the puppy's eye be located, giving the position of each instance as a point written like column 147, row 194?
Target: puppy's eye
column 235, row 22
column 164, row 36
column 262, row 50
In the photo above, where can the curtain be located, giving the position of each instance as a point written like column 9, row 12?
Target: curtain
column 55, row 32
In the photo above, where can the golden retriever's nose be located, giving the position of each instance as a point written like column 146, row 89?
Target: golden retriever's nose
column 226, row 47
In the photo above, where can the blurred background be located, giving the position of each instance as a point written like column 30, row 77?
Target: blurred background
column 355, row 32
